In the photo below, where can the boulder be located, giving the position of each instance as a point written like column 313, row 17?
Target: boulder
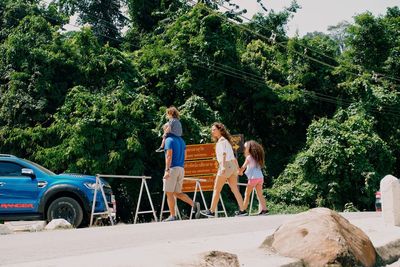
column 321, row 237
column 58, row 224
column 5, row 230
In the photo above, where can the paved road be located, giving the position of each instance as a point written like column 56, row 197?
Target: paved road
column 152, row 244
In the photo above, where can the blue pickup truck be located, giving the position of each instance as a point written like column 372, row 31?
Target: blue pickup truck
column 29, row 191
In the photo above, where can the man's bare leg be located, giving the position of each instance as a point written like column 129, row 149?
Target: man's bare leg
column 184, row 198
column 171, row 203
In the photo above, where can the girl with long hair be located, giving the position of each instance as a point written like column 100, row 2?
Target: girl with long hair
column 252, row 167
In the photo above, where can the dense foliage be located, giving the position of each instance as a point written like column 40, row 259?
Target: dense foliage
column 326, row 107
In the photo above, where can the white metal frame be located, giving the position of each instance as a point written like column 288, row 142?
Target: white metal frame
column 99, row 186
column 197, row 188
column 223, row 211
column 251, row 199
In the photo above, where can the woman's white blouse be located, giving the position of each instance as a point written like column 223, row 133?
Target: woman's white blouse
column 224, row 147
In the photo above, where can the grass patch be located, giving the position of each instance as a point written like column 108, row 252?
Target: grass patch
column 282, row 208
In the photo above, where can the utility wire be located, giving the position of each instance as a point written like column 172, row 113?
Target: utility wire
column 232, row 72
column 308, row 48
column 266, row 38
column 374, row 75
column 235, row 73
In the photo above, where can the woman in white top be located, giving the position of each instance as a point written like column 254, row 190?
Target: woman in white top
column 227, row 171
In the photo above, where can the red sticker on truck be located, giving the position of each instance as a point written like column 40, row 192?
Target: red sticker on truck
column 16, row 206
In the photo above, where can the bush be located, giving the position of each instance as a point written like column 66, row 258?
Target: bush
column 343, row 162
column 282, row 208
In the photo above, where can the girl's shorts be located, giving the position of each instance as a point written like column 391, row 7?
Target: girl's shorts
column 255, row 181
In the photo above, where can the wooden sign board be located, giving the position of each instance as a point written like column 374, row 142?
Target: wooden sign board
column 201, row 167
column 189, row 186
column 201, row 151
column 200, row 163
column 238, row 143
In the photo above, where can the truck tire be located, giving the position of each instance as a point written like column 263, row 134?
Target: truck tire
column 65, row 208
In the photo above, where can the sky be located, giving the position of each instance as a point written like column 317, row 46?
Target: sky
column 317, row 15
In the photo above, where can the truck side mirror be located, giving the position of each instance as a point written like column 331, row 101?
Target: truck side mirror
column 28, row 172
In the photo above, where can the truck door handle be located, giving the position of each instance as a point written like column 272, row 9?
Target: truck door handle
column 1, row 183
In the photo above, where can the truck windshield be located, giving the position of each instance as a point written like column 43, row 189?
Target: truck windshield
column 43, row 169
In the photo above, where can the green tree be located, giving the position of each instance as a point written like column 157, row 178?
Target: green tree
column 368, row 42
column 146, row 15
column 183, row 60
column 197, row 118
column 91, row 101
column 392, row 22
column 343, row 161
column 271, row 23
column 30, row 68
column 105, row 17
column 379, row 93
column 339, row 33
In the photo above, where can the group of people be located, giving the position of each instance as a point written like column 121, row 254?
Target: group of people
column 228, row 170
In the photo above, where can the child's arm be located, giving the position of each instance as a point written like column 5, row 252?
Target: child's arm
column 241, row 170
column 168, row 128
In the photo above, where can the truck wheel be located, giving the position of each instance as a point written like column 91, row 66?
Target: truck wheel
column 65, row 208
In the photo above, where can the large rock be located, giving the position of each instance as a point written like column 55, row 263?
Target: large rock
column 321, row 236
column 5, row 230
column 58, row 224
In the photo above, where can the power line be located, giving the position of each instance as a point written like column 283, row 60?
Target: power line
column 313, row 95
column 280, row 44
column 236, row 73
column 375, row 76
column 267, row 38
column 312, row 49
